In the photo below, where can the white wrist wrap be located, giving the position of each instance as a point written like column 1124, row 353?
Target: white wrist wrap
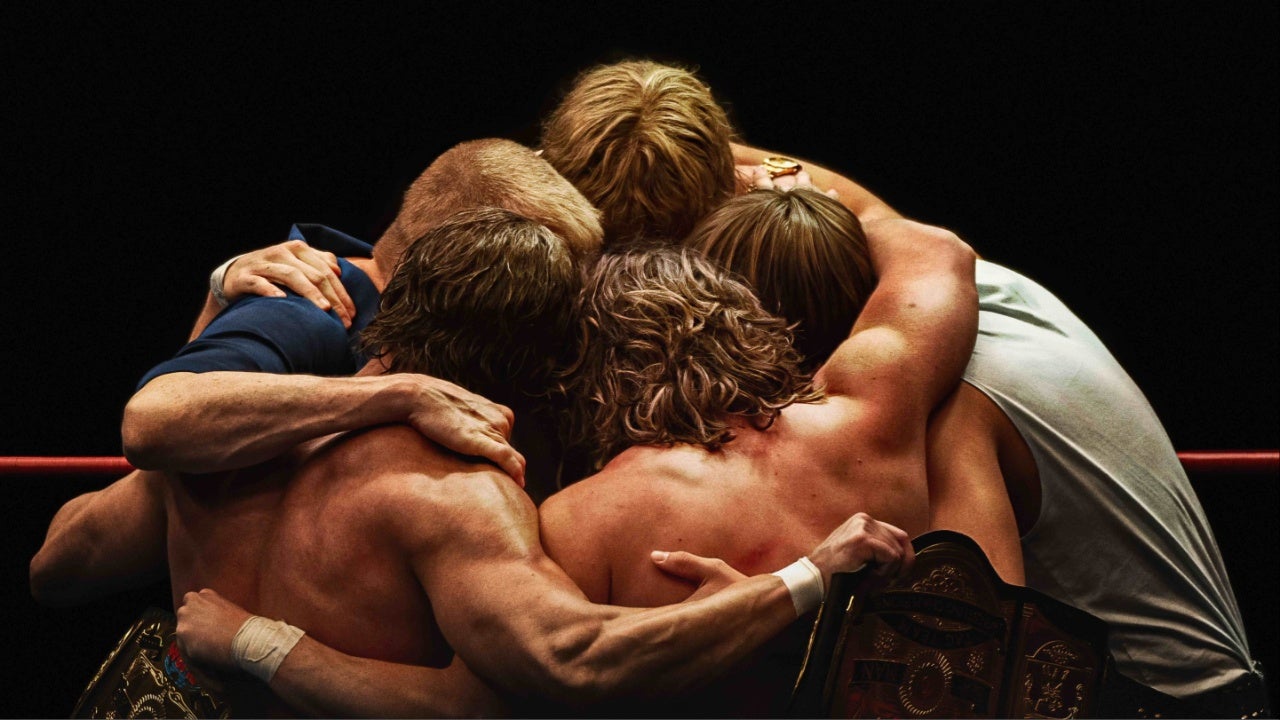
column 217, row 277
column 804, row 582
column 260, row 645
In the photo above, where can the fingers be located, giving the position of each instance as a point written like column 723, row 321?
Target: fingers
column 507, row 458
column 257, row 285
column 786, row 183
column 890, row 548
column 862, row 539
column 467, row 423
column 310, row 273
column 326, row 263
column 692, row 567
column 760, row 179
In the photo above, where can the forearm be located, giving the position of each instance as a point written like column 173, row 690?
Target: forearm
column 207, row 314
column 578, row 654
column 655, row 652
column 858, row 199
column 322, row 682
column 208, row 422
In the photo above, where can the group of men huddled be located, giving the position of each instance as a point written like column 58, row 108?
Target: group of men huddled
column 480, row 467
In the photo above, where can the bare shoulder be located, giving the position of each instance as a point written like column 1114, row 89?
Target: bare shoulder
column 898, row 226
column 424, row 492
column 586, row 510
column 635, row 479
column 591, row 527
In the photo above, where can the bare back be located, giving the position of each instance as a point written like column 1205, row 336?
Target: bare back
column 759, row 503
column 768, row 494
column 311, row 538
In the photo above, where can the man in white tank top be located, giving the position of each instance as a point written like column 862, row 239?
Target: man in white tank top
column 1054, row 461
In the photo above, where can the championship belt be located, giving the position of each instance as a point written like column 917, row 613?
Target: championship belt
column 949, row 639
column 146, row 677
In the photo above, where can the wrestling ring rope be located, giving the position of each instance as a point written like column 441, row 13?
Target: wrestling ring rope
column 1196, row 462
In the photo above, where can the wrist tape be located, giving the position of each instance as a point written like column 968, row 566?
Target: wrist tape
column 217, row 277
column 804, row 582
column 260, row 645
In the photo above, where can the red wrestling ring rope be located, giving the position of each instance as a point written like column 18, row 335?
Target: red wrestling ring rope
column 64, row 466
column 1253, row 462
column 1249, row 462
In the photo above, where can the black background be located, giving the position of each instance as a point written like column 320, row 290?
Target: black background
column 1122, row 154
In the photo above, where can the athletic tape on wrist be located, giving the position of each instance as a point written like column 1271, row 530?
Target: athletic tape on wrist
column 260, row 645
column 217, row 277
column 804, row 582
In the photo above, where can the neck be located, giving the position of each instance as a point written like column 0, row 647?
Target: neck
column 377, row 274
column 376, row 366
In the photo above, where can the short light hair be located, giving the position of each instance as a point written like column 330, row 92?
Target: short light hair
column 492, row 173
column 804, row 254
column 484, row 300
column 647, row 144
column 670, row 348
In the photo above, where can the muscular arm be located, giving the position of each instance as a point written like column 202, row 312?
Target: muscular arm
column 519, row 622
column 858, row 199
column 102, row 542
column 248, row 389
column 972, row 448
column 913, row 339
column 491, row 585
column 207, row 422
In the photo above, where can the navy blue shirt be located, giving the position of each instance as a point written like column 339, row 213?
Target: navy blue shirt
column 286, row 335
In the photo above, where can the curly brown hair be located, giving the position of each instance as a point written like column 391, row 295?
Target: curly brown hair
column 647, row 144
column 670, row 347
column 805, row 255
column 484, row 300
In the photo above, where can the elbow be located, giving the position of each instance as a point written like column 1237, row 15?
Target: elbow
column 49, row 586
column 140, row 432
column 580, row 674
column 962, row 253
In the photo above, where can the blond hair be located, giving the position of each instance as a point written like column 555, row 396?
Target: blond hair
column 669, row 348
column 803, row 252
column 647, row 144
column 492, row 173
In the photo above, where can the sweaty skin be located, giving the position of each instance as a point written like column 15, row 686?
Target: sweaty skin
column 769, row 494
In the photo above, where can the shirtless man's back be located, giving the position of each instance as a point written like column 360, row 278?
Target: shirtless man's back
column 757, row 499
column 324, row 538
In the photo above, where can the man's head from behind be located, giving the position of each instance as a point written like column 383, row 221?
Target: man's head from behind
column 671, row 348
column 647, row 144
column 803, row 252
column 491, row 173
column 484, row 300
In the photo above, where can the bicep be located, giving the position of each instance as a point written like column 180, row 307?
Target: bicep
column 103, row 541
column 873, row 373
column 492, row 586
column 911, row 342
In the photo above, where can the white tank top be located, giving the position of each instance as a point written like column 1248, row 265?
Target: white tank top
column 1120, row 533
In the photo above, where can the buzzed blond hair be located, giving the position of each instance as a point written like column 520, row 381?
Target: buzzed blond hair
column 647, row 144
column 491, row 173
